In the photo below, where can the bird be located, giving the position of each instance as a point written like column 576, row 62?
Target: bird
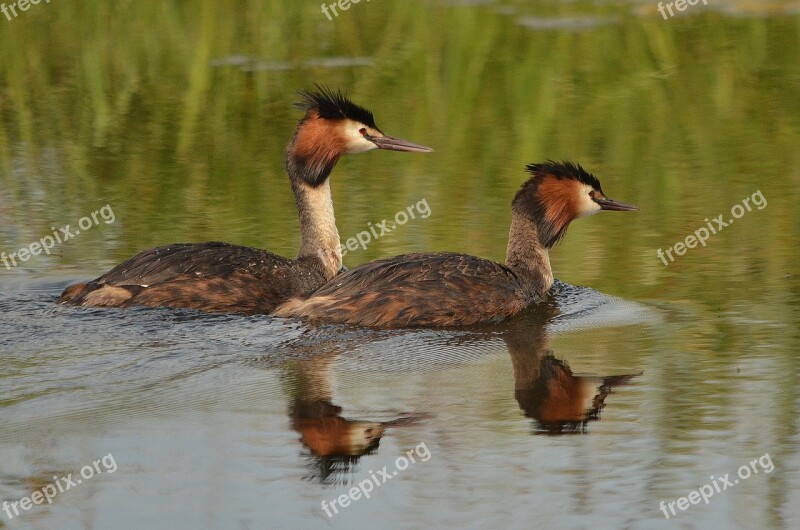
column 547, row 391
column 222, row 277
column 448, row 289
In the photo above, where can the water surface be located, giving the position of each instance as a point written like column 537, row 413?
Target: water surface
column 639, row 383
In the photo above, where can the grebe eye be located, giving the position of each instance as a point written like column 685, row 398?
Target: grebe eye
column 363, row 131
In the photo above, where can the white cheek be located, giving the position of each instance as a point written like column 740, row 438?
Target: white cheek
column 587, row 206
column 356, row 143
column 359, row 145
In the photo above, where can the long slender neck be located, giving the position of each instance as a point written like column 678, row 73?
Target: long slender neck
column 319, row 236
column 527, row 256
column 310, row 158
column 527, row 344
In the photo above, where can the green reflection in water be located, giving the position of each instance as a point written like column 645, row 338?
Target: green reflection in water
column 144, row 106
column 129, row 105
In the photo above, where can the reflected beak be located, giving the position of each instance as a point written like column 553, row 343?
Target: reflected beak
column 398, row 144
column 608, row 204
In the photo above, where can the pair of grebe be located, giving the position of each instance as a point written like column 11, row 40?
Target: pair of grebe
column 412, row 290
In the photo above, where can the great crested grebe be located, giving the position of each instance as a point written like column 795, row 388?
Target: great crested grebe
column 557, row 400
column 231, row 278
column 448, row 289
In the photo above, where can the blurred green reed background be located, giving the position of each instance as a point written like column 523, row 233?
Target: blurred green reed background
column 177, row 113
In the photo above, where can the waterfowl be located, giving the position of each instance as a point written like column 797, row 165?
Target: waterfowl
column 223, row 277
column 449, row 289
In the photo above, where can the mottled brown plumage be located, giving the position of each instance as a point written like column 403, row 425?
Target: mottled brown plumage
column 427, row 290
column 203, row 276
column 230, row 278
column 446, row 289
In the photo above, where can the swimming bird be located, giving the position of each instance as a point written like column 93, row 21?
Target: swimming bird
column 223, row 277
column 556, row 399
column 449, row 289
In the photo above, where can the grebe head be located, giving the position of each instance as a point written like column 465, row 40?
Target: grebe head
column 333, row 126
column 556, row 194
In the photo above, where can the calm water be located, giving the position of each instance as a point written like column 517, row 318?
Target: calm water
column 169, row 120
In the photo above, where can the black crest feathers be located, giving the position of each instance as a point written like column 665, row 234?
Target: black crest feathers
column 334, row 105
column 564, row 170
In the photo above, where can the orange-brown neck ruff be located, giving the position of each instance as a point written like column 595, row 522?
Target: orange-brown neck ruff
column 559, row 197
column 552, row 203
column 315, row 149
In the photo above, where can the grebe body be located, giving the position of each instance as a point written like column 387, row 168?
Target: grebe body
column 448, row 289
column 230, row 278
